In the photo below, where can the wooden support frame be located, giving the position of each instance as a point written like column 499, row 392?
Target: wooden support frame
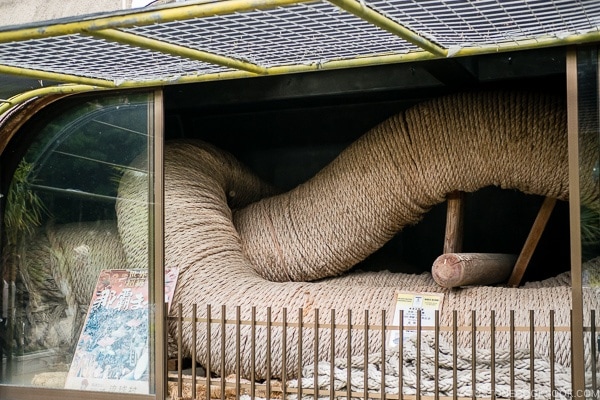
column 531, row 242
column 453, row 240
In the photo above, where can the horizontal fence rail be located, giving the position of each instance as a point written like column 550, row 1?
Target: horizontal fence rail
column 218, row 353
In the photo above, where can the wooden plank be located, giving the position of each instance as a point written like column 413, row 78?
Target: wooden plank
column 532, row 240
column 453, row 240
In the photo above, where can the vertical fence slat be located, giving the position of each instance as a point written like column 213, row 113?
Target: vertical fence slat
column 332, row 356
column 436, row 360
column 223, row 313
column 284, row 352
column 268, row 360
column 551, row 355
column 252, row 353
column 208, row 349
column 511, row 331
column 401, row 354
column 300, row 323
column 454, row 355
column 493, row 353
column 194, row 337
column 383, row 344
column 316, row 352
column 366, row 355
column 349, row 357
column 238, row 338
column 418, row 383
column 473, row 355
column 532, row 354
column 180, row 350
column 572, row 360
column 593, row 352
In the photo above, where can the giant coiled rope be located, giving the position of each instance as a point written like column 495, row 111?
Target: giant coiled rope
column 232, row 245
column 237, row 245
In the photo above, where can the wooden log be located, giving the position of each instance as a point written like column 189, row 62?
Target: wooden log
column 462, row 269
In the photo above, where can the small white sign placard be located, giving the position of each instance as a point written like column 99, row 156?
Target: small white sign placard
column 410, row 303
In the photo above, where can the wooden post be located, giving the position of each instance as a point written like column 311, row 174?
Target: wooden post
column 532, row 240
column 453, row 240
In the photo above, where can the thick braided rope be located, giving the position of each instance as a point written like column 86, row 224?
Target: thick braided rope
column 220, row 280
column 86, row 249
column 393, row 174
column 61, row 266
column 438, row 378
column 202, row 186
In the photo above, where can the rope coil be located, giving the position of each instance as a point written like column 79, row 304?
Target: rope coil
column 439, row 379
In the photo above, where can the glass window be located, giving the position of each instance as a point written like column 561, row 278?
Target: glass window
column 76, row 298
column 589, row 174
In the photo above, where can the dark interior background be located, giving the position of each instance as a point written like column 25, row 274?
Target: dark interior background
column 286, row 128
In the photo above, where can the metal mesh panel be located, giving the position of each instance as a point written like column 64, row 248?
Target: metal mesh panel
column 308, row 34
column 487, row 22
column 91, row 57
column 298, row 34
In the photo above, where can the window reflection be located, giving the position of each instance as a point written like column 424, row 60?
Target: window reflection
column 588, row 140
column 60, row 238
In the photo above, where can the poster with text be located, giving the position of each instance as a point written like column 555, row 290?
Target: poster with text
column 112, row 351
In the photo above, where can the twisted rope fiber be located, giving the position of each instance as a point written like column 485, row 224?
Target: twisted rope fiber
column 439, row 378
column 397, row 171
column 233, row 244
column 62, row 263
column 86, row 249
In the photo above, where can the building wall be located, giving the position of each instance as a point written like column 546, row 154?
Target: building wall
column 16, row 12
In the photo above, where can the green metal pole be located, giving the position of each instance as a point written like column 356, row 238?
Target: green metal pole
column 368, row 14
column 291, row 69
column 176, row 50
column 6, row 105
column 526, row 44
column 54, row 76
column 142, row 18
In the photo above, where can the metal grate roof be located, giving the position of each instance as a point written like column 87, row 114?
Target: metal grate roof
column 87, row 56
column 452, row 23
column 307, row 33
column 242, row 38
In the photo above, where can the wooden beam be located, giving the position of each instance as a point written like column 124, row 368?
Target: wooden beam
column 532, row 240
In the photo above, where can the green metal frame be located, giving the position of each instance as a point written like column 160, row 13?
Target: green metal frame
column 110, row 28
column 6, row 105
